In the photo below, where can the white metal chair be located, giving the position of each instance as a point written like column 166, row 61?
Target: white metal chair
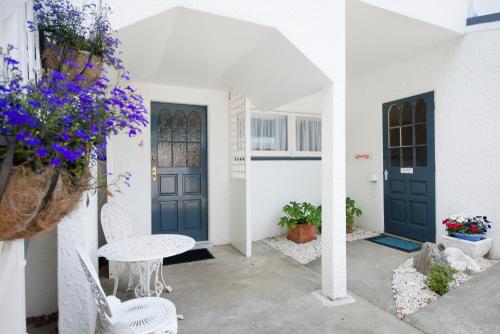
column 141, row 315
column 116, row 225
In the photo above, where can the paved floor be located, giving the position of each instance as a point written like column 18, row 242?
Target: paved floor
column 369, row 271
column 268, row 293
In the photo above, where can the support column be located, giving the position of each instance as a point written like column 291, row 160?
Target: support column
column 333, row 179
column 333, row 192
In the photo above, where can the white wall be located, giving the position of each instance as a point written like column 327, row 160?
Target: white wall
column 126, row 155
column 274, row 184
column 465, row 76
column 484, row 7
column 77, row 308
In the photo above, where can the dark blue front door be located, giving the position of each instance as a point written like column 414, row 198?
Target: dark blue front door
column 409, row 167
column 179, row 170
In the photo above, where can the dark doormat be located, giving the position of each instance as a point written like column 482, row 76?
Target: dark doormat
column 397, row 243
column 189, row 256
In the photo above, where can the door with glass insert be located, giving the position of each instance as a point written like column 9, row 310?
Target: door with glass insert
column 409, row 167
column 179, row 170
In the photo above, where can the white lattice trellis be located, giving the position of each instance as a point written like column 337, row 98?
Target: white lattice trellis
column 239, row 111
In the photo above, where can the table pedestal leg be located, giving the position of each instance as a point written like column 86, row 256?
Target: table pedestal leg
column 146, row 269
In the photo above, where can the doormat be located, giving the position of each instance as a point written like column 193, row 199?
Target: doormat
column 397, row 243
column 189, row 256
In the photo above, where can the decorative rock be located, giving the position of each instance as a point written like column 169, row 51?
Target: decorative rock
column 461, row 261
column 428, row 256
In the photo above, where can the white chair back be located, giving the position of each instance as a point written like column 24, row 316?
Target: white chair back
column 103, row 308
column 115, row 222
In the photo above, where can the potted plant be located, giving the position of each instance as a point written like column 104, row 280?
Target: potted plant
column 351, row 211
column 467, row 233
column 75, row 39
column 56, row 127
column 301, row 220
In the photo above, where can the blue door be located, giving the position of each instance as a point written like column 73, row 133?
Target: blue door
column 409, row 167
column 179, row 170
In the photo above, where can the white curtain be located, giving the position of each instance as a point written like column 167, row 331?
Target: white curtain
column 269, row 132
column 308, row 134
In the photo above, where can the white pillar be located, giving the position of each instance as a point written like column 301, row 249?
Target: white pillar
column 333, row 238
column 333, row 189
column 77, row 311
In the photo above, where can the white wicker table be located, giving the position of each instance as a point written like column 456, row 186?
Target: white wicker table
column 147, row 252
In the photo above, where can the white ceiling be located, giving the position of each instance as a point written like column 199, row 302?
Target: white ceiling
column 377, row 37
column 202, row 50
column 189, row 48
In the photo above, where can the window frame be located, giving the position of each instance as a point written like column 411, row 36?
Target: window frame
column 258, row 153
column 295, row 152
column 292, row 151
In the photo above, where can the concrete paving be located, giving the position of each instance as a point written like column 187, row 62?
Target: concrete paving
column 268, row 293
column 472, row 308
column 369, row 271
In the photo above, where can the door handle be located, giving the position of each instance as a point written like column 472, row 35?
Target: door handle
column 154, row 173
column 386, row 175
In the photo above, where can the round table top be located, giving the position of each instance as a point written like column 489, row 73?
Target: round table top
column 146, row 248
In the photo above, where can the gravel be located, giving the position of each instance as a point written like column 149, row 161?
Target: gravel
column 410, row 291
column 305, row 253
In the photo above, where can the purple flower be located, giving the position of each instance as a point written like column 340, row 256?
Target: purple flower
column 42, row 152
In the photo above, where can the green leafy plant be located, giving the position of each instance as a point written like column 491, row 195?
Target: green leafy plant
column 300, row 213
column 351, row 210
column 440, row 276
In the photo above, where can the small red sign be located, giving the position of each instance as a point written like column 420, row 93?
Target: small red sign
column 362, row 156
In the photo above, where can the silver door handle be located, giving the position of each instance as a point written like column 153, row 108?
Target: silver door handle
column 386, row 175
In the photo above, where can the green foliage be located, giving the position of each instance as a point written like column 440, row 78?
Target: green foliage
column 439, row 278
column 351, row 210
column 300, row 213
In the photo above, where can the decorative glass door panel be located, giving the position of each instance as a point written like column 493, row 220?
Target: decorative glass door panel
column 179, row 170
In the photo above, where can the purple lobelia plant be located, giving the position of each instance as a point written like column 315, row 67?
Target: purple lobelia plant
column 59, row 125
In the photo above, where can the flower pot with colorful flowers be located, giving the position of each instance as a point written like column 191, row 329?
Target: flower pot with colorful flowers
column 467, row 228
column 56, row 127
column 468, row 233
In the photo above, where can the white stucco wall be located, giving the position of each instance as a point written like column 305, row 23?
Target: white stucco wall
column 77, row 308
column 465, row 76
column 125, row 155
column 484, row 7
column 274, row 184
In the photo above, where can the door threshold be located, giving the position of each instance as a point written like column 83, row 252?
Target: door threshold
column 203, row 244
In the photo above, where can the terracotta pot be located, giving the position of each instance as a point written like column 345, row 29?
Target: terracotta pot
column 348, row 228
column 302, row 233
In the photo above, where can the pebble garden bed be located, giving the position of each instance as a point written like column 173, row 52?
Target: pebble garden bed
column 411, row 292
column 305, row 253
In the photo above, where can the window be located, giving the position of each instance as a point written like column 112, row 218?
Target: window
column 282, row 134
column 307, row 135
column 269, row 133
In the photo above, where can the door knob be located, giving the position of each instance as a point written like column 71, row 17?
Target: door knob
column 154, row 173
column 386, row 175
